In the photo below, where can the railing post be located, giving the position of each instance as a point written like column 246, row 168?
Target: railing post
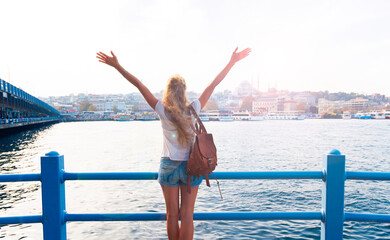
column 333, row 196
column 53, row 196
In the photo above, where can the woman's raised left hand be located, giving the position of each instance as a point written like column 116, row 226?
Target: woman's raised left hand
column 237, row 56
column 112, row 61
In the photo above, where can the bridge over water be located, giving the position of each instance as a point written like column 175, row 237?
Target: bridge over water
column 20, row 110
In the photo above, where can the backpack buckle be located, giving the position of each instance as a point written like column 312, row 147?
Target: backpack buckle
column 209, row 161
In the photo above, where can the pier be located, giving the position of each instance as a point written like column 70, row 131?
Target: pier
column 332, row 215
column 20, row 110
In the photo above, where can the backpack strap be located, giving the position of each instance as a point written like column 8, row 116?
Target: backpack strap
column 199, row 127
column 220, row 193
column 207, row 180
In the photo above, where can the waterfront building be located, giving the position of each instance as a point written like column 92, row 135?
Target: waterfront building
column 143, row 107
column 326, row 106
column 104, row 106
column 289, row 106
column 100, row 105
column 304, row 97
column 357, row 104
column 265, row 105
column 268, row 104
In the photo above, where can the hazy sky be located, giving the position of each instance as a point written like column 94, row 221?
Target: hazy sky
column 48, row 48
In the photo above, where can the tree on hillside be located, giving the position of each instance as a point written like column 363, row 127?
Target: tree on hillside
column 87, row 106
column 339, row 96
column 92, row 108
column 313, row 109
column 84, row 106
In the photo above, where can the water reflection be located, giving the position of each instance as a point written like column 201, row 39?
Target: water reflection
column 247, row 146
column 13, row 147
column 17, row 155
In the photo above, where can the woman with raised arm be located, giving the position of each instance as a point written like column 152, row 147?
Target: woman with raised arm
column 178, row 138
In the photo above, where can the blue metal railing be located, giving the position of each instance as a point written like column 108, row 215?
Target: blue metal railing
column 332, row 216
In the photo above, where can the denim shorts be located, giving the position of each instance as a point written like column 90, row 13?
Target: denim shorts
column 173, row 173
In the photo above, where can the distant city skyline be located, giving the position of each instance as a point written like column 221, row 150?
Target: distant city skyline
column 48, row 48
column 215, row 92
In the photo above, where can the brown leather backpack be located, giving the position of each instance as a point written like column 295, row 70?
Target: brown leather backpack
column 203, row 156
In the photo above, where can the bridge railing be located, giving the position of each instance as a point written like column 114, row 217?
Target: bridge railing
column 332, row 216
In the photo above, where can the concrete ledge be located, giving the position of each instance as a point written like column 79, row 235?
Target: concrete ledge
column 8, row 129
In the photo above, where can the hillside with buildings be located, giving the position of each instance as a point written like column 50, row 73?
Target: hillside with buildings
column 244, row 98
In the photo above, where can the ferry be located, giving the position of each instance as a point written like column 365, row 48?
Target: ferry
column 124, row 117
column 273, row 116
column 226, row 116
column 361, row 115
column 347, row 115
column 256, row 116
column 248, row 116
column 377, row 115
column 387, row 114
column 213, row 115
column 243, row 116
column 295, row 117
column 147, row 116
column 204, row 116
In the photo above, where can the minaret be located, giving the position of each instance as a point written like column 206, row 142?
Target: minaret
column 251, row 85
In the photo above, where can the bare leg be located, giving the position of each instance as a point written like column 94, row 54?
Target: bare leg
column 171, row 196
column 187, row 212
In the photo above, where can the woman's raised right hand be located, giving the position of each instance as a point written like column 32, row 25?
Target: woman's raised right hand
column 112, row 61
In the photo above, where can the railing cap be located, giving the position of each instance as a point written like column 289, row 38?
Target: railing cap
column 334, row 152
column 52, row 154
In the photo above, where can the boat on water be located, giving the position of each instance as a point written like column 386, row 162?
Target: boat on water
column 273, row 116
column 124, row 117
column 213, row 115
column 204, row 116
column 241, row 116
column 248, row 116
column 361, row 115
column 387, row 114
column 147, row 116
column 347, row 115
column 256, row 116
column 377, row 115
column 226, row 116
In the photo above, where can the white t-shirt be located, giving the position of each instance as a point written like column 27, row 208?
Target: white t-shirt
column 171, row 147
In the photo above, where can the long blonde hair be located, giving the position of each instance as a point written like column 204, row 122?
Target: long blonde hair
column 175, row 102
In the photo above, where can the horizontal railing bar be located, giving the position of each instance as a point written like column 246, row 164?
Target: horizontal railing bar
column 21, row 219
column 197, row 216
column 368, row 175
column 366, row 217
column 270, row 175
column 111, row 176
column 360, row 217
column 20, row 177
column 219, row 175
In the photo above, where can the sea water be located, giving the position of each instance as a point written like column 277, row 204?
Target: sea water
column 273, row 145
